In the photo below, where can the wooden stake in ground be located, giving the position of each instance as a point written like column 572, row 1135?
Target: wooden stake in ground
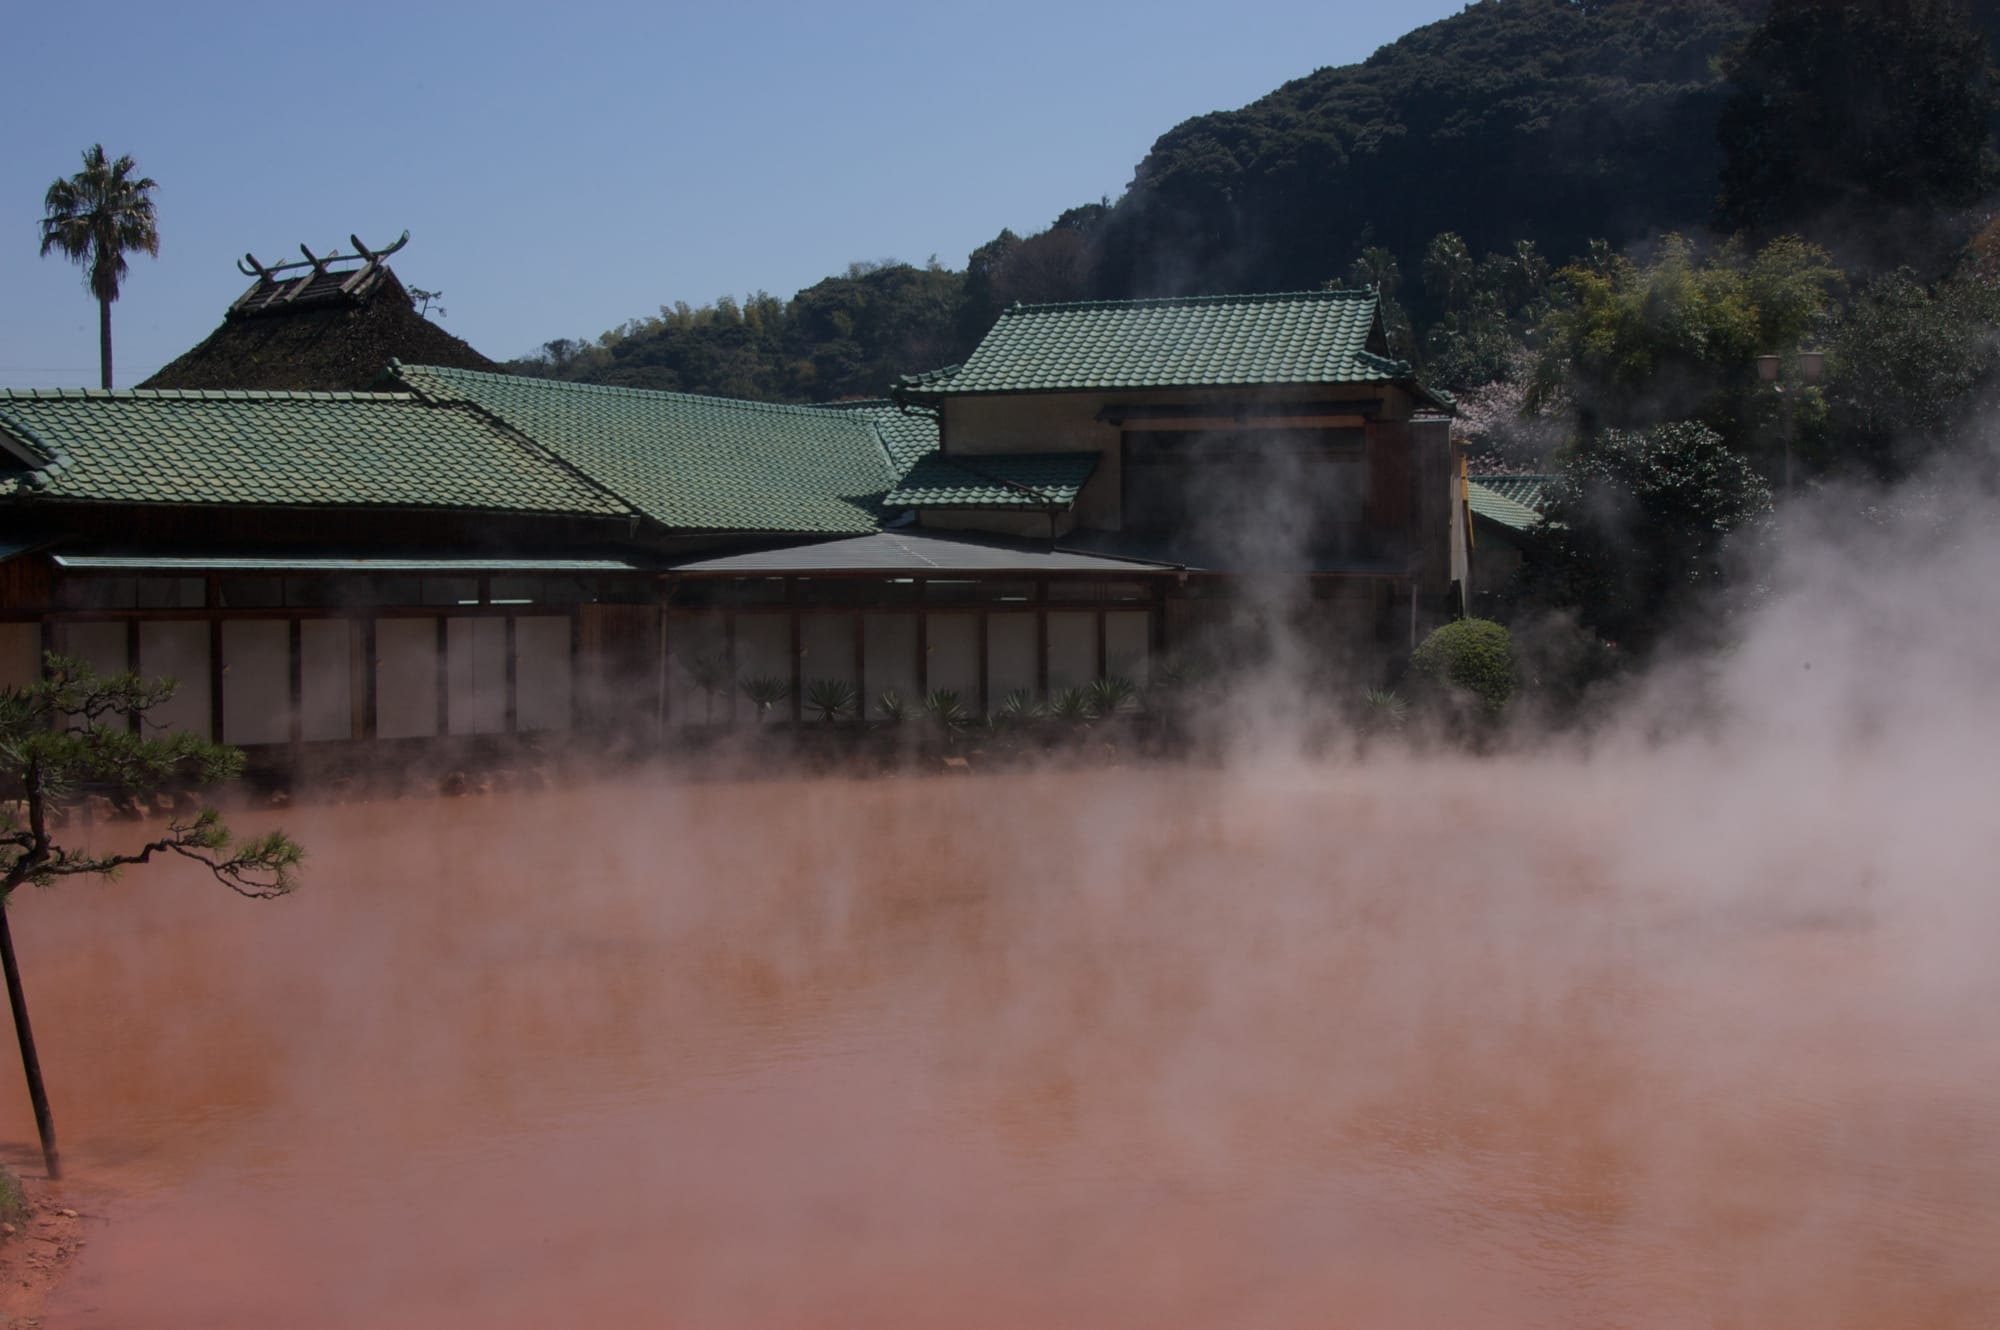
column 74, row 735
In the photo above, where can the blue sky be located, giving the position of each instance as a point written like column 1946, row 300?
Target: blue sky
column 563, row 167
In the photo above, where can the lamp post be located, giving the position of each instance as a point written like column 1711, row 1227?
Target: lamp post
column 1770, row 369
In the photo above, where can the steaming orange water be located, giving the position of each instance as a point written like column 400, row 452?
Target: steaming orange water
column 1424, row 1045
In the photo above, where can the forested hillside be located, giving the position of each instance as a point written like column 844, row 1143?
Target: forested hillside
column 1460, row 169
column 1543, row 120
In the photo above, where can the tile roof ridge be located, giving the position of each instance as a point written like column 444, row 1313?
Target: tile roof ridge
column 197, row 395
column 538, row 384
column 1338, row 294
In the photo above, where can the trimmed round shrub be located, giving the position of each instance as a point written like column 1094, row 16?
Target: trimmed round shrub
column 1476, row 655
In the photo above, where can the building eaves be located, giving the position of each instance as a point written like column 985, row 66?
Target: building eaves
column 995, row 480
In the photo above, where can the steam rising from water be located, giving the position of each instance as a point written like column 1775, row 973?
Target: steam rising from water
column 1693, row 1032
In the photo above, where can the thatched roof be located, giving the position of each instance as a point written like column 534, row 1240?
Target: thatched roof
column 326, row 331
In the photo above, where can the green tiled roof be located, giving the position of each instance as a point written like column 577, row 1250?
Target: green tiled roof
column 689, row 462
column 905, row 435
column 995, row 480
column 1300, row 337
column 1497, row 507
column 1528, row 491
column 388, row 449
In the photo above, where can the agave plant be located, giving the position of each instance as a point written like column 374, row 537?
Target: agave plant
column 891, row 707
column 1017, row 707
column 830, row 699
column 709, row 673
column 1111, row 696
column 947, row 710
column 1070, row 704
column 766, row 692
column 1385, row 709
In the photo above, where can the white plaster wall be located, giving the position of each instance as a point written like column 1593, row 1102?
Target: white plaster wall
column 691, row 638
column 1072, row 648
column 326, row 679
column 405, row 678
column 826, row 648
column 177, row 649
column 1128, row 644
column 889, row 642
column 256, row 681
column 98, row 645
column 954, row 656
column 1010, row 656
column 763, row 649
column 542, row 683
column 475, row 675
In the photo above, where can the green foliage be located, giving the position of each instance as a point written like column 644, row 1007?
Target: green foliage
column 948, row 711
column 1864, row 124
column 70, row 736
column 1070, row 705
column 1018, row 707
column 13, row 1201
column 1112, row 696
column 766, row 693
column 1531, row 119
column 1384, row 711
column 891, row 707
column 1677, row 338
column 830, row 699
column 844, row 337
column 1913, row 364
column 1473, row 655
column 1636, row 526
column 708, row 671
column 94, row 219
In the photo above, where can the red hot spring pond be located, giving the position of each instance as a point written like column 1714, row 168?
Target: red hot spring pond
column 1509, row 1043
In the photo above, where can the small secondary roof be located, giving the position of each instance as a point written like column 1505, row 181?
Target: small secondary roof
column 1297, row 337
column 994, row 480
column 906, row 552
column 1512, row 501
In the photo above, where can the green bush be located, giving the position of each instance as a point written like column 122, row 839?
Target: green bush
column 13, row 1202
column 1476, row 655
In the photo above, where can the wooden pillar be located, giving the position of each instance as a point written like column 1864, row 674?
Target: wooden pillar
column 798, row 650
column 984, row 682
column 365, row 668
column 214, row 679
column 860, row 664
column 1042, row 639
column 576, row 681
column 512, row 720
column 729, row 655
column 443, row 674
column 660, row 688
column 295, row 671
column 132, row 664
column 923, row 644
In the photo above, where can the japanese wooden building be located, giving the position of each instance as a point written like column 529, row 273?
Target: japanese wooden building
column 467, row 553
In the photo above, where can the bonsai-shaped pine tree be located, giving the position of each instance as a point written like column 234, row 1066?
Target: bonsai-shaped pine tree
column 70, row 737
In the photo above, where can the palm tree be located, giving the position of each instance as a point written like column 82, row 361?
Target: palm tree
column 95, row 218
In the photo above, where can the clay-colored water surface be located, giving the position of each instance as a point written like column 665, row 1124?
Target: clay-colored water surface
column 1412, row 1044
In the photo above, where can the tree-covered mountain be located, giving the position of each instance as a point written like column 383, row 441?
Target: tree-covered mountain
column 1458, row 169
column 1557, row 121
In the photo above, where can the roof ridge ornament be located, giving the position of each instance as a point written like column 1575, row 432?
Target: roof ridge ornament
column 250, row 267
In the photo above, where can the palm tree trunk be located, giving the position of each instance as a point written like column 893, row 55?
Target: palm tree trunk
column 45, row 1122
column 104, row 341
